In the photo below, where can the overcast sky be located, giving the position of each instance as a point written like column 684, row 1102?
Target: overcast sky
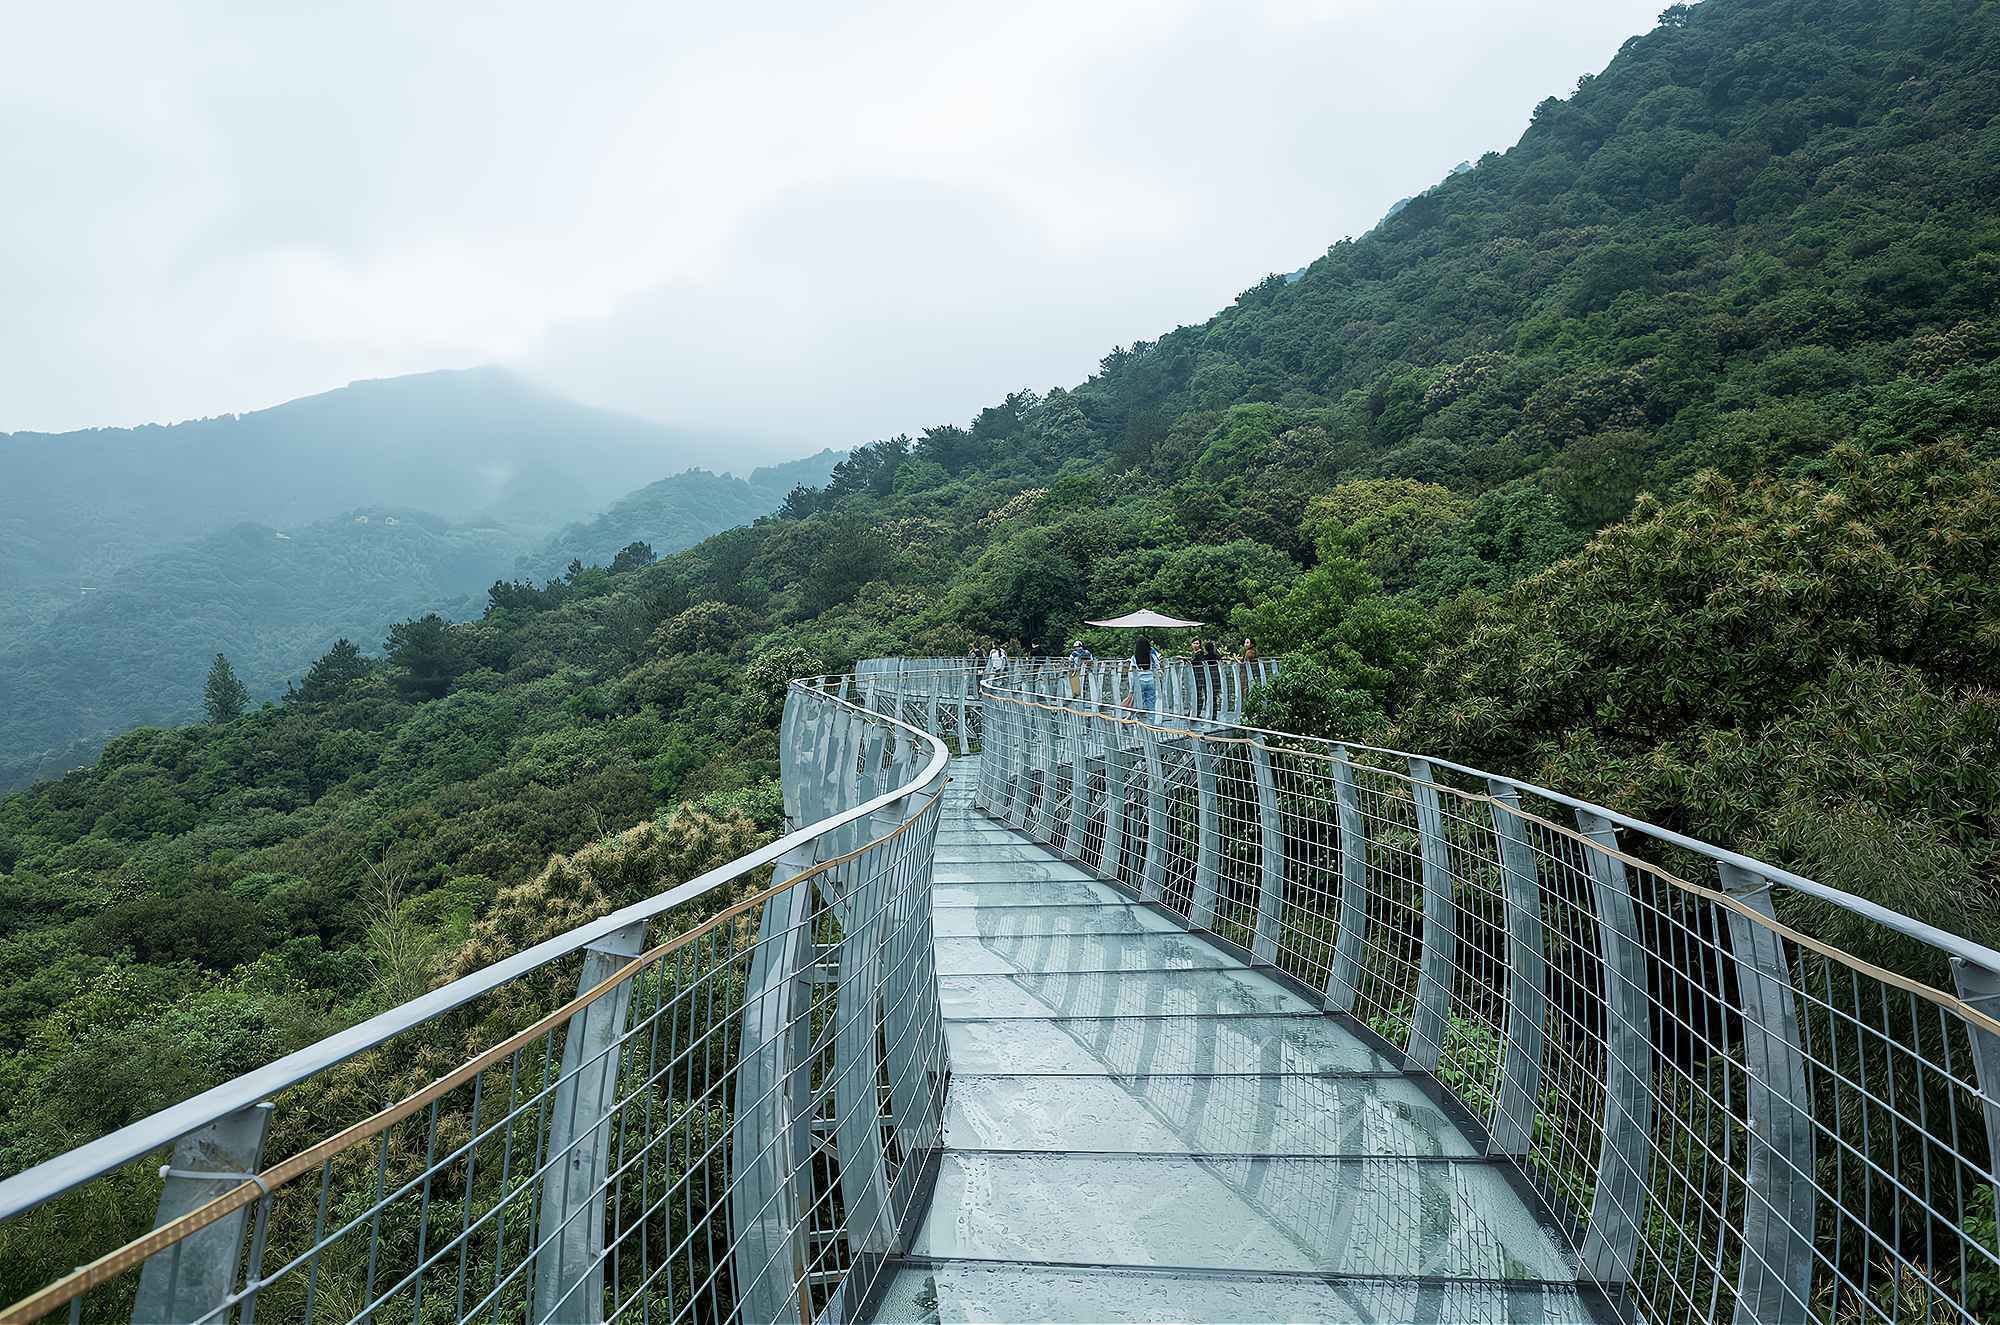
column 814, row 222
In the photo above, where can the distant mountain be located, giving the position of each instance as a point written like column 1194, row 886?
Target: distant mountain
column 135, row 650
column 677, row 513
column 480, row 444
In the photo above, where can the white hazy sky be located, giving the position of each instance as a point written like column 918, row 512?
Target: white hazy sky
column 816, row 222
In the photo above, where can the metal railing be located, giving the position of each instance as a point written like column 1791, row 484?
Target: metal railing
column 733, row 1116
column 1727, row 1117
column 1725, row 1114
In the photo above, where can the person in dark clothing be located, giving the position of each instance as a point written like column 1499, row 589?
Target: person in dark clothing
column 1208, row 665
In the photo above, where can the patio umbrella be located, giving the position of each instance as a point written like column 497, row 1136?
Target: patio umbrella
column 1145, row 620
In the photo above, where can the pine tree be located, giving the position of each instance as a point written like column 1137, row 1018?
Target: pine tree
column 224, row 696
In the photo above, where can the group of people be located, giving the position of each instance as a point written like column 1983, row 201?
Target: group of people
column 1146, row 660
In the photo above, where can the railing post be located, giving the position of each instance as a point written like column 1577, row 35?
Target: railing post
column 1440, row 942
column 1774, row 1279
column 193, row 1278
column 569, row 1265
column 1077, row 717
column 1111, row 851
column 1019, row 762
column 1052, row 761
column 1513, row 1128
column 1980, row 988
column 1208, row 838
column 1343, row 980
column 1270, row 856
column 1153, row 878
column 913, row 1052
column 1625, row 1159
column 964, row 723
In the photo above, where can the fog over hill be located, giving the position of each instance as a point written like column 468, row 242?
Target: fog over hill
column 479, row 444
column 133, row 555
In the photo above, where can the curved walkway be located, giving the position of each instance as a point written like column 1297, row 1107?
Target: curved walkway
column 1142, row 1127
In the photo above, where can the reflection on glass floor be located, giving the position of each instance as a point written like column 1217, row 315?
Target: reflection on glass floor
column 1140, row 1127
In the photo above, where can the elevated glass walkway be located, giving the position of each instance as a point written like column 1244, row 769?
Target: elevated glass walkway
column 1141, row 1127
column 1046, row 1007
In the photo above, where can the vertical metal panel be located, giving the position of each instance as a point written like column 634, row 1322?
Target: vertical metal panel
column 857, row 1062
column 1625, row 1159
column 1117, row 802
column 768, row 1138
column 1208, row 837
column 1440, row 942
column 1343, row 978
column 569, row 1267
column 1981, row 988
column 1153, row 879
column 1078, row 728
column 1774, row 1281
column 1054, row 685
column 1270, row 856
column 964, row 727
column 188, row 1281
column 1513, row 1126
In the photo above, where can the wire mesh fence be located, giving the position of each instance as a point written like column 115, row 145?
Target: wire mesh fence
column 727, row 1103
column 1726, row 1117
column 720, row 1104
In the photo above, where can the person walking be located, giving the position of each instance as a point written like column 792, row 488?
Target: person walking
column 1080, row 659
column 1200, row 681
column 1144, row 689
column 996, row 661
column 1208, row 663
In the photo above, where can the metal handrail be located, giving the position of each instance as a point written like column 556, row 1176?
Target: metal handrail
column 1723, row 1115
column 849, row 887
column 1953, row 944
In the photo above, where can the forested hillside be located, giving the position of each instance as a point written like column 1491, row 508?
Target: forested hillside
column 1658, row 457
column 675, row 513
column 134, row 649
column 479, row 445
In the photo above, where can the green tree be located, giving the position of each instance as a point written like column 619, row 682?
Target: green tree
column 223, row 697
column 329, row 677
column 632, row 556
column 426, row 657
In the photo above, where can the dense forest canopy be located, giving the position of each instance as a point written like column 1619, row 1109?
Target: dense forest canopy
column 130, row 650
column 1657, row 457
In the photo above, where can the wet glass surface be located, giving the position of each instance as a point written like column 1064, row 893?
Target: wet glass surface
column 994, row 921
column 1164, row 1115
column 1027, row 892
column 1113, row 993
column 1332, row 1216
column 1077, row 952
column 959, row 1291
column 1101, row 1045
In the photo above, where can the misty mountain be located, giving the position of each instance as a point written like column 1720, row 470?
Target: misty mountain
column 676, row 513
column 135, row 649
column 479, row 445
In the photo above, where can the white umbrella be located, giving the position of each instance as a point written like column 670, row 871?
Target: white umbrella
column 1145, row 620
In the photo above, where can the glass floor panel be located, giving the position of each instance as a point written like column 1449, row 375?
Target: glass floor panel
column 1018, row 954
column 998, row 847
column 1007, row 871
column 1097, row 1046
column 955, row 1292
column 1036, row 892
column 1167, row 1115
column 1112, row 993
column 996, row 921
column 1388, row 1217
